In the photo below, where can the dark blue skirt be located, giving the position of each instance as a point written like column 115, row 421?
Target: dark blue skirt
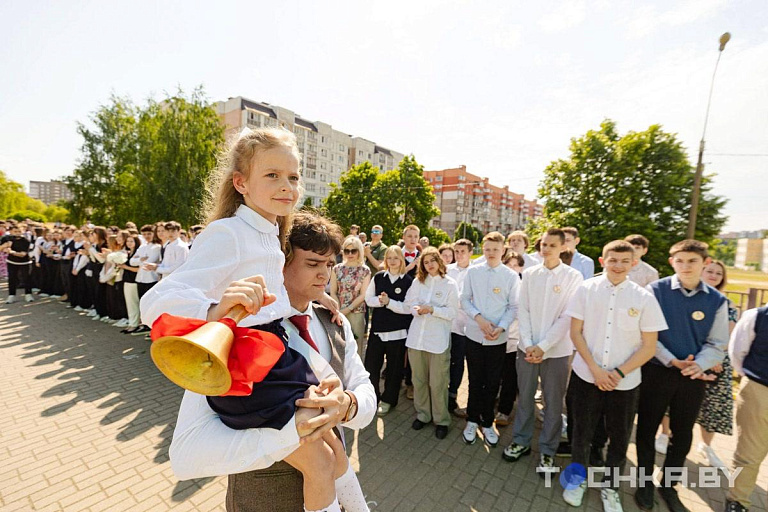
column 271, row 404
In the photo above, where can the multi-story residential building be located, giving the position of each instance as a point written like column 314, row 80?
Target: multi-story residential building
column 49, row 192
column 465, row 197
column 325, row 152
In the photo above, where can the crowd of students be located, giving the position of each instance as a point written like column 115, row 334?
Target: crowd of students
column 597, row 350
column 97, row 271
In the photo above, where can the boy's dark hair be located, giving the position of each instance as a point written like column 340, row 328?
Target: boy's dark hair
column 196, row 228
column 570, row 230
column 313, row 232
column 147, row 227
column 537, row 244
column 465, row 242
column 560, row 233
column 172, row 226
column 638, row 240
column 512, row 255
column 618, row 246
column 567, row 256
column 693, row 246
column 130, row 225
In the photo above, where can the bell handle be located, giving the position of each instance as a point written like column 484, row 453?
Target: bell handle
column 237, row 313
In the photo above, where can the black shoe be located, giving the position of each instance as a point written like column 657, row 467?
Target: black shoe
column 644, row 497
column 441, row 431
column 418, row 424
column 563, row 449
column 141, row 330
column 669, row 495
column 734, row 506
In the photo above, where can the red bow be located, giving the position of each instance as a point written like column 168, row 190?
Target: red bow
column 252, row 356
column 410, row 255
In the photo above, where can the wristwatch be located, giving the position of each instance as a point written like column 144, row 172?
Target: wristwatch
column 352, row 411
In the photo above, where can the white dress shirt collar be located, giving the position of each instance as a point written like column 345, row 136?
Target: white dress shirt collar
column 256, row 221
column 701, row 287
column 608, row 284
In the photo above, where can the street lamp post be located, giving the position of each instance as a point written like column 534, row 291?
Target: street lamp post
column 700, row 164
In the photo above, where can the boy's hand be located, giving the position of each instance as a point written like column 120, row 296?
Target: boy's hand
column 605, row 380
column 334, row 407
column 485, row 326
column 534, row 355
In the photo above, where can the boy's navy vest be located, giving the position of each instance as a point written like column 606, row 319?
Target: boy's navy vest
column 384, row 319
column 756, row 363
column 689, row 319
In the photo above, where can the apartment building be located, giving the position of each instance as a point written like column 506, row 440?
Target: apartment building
column 466, row 197
column 325, row 151
column 49, row 192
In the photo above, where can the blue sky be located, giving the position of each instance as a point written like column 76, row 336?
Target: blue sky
column 498, row 86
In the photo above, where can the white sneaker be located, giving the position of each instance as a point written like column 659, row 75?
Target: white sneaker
column 55, row 296
column 611, row 500
column 95, row 317
column 35, row 290
column 564, row 428
column 490, row 436
column 91, row 312
column 11, row 299
column 546, row 465
column 43, row 295
column 29, row 298
column 470, row 432
column 661, row 443
column 708, row 452
column 78, row 308
column 123, row 322
column 575, row 495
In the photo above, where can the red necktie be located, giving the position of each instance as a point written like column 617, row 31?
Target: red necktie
column 302, row 324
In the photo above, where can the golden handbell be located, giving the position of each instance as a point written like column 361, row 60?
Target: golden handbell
column 197, row 361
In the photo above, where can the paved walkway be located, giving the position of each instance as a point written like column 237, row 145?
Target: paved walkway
column 87, row 421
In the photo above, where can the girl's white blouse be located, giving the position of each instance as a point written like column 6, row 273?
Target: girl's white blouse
column 227, row 250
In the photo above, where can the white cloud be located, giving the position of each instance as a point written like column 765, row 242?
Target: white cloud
column 647, row 18
column 567, row 14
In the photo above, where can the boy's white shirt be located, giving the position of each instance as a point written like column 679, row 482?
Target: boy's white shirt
column 202, row 446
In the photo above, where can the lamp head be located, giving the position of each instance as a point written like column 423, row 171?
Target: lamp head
column 724, row 40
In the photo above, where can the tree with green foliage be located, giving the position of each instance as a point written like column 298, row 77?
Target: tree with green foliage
column 612, row 186
column 16, row 204
column 146, row 164
column 393, row 200
column 437, row 236
column 724, row 250
column 468, row 231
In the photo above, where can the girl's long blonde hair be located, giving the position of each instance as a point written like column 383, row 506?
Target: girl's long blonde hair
column 223, row 200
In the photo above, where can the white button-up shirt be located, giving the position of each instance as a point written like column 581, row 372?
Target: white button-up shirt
column 174, row 256
column 203, row 446
column 458, row 274
column 152, row 253
column 492, row 293
column 227, row 250
column 742, row 337
column 643, row 274
column 430, row 332
column 583, row 264
column 544, row 297
column 614, row 318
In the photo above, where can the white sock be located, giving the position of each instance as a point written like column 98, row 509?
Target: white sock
column 349, row 492
column 333, row 507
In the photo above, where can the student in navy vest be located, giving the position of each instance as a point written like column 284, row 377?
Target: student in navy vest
column 388, row 329
column 675, row 379
column 749, row 356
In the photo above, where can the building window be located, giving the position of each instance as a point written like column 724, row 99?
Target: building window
column 342, row 148
column 322, row 176
column 341, row 159
column 360, row 153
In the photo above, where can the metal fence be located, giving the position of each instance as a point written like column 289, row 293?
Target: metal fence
column 753, row 298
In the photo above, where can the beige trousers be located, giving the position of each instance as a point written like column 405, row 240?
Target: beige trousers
column 357, row 322
column 752, row 431
column 431, row 373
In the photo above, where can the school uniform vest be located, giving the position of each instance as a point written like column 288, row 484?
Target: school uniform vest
column 689, row 319
column 755, row 365
column 279, row 488
column 384, row 319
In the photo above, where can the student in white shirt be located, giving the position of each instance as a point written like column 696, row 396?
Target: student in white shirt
column 489, row 297
column 518, row 241
column 388, row 328
column 614, row 328
column 462, row 249
column 148, row 252
column 583, row 264
column 642, row 273
column 173, row 254
column 433, row 299
column 508, row 388
column 238, row 261
column 544, row 350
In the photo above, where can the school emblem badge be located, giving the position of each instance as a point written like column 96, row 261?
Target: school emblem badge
column 698, row 315
column 556, row 288
column 398, row 290
column 438, row 294
column 497, row 290
column 633, row 312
